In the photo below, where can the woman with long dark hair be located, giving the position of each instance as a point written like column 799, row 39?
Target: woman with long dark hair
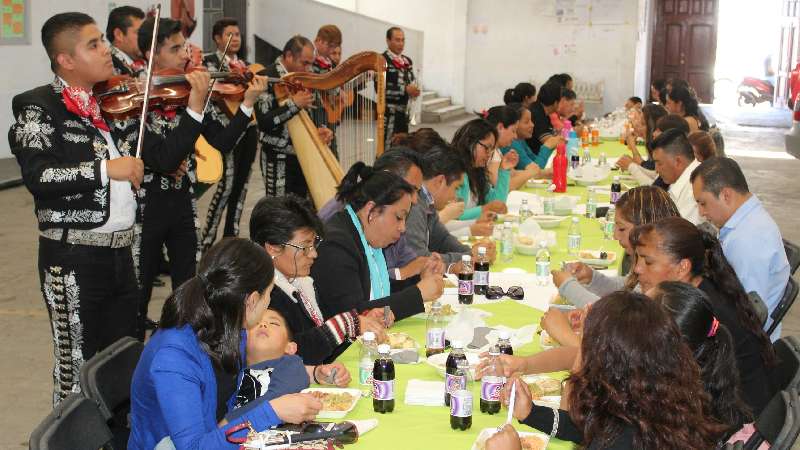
column 675, row 250
column 530, row 164
column 475, row 141
column 712, row 345
column 188, row 369
column 580, row 284
column 350, row 270
column 523, row 93
column 682, row 101
column 635, row 384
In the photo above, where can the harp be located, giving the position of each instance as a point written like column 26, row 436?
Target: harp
column 354, row 94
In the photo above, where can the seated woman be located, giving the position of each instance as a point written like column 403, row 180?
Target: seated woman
column 530, row 165
column 578, row 283
column 675, row 250
column 712, row 346
column 290, row 232
column 475, row 142
column 644, row 122
column 189, row 366
column 703, row 145
column 350, row 271
column 523, row 93
column 505, row 120
column 565, row 110
column 546, row 103
column 620, row 394
column 682, row 102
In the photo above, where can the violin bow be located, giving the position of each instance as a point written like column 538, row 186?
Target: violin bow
column 148, row 81
column 222, row 65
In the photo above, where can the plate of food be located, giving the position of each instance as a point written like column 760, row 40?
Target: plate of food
column 529, row 441
column 543, row 387
column 439, row 360
column 597, row 258
column 336, row 402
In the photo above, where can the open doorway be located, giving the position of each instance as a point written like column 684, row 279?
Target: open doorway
column 747, row 51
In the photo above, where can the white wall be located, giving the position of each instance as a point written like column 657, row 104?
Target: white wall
column 27, row 66
column 520, row 40
column 278, row 20
column 644, row 46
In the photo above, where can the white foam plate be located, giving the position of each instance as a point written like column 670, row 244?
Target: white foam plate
column 336, row 414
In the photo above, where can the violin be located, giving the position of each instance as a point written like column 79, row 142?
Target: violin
column 121, row 97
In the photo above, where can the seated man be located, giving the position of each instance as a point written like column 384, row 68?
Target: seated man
column 443, row 172
column 674, row 159
column 750, row 239
column 633, row 102
column 273, row 368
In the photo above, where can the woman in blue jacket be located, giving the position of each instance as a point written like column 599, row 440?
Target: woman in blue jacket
column 188, row 368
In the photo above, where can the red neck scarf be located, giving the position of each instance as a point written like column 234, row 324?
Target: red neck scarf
column 324, row 62
column 80, row 101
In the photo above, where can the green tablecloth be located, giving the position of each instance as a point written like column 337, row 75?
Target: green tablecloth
column 428, row 427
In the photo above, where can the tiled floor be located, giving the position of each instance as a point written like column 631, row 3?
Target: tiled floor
column 26, row 354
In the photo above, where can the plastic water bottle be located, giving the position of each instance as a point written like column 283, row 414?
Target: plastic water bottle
column 574, row 237
column 480, row 280
column 465, row 286
column 434, row 338
column 524, row 210
column 508, row 242
column 548, row 202
column 542, row 264
column 591, row 203
column 492, row 383
column 608, row 229
column 369, row 351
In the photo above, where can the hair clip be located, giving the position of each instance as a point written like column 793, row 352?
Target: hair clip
column 714, row 326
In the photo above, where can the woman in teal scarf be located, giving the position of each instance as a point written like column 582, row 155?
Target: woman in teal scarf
column 350, row 271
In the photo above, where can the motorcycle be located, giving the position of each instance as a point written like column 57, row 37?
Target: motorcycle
column 753, row 91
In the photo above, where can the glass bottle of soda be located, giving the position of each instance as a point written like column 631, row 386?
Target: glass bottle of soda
column 480, row 280
column 465, row 287
column 383, row 381
column 461, row 410
column 455, row 377
column 616, row 189
column 434, row 338
column 504, row 343
column 492, row 383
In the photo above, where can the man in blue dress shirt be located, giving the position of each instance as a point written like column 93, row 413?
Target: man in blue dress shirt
column 750, row 239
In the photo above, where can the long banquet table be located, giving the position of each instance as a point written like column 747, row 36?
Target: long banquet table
column 428, row 427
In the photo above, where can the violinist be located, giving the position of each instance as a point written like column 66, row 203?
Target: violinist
column 231, row 189
column 167, row 198
column 279, row 164
column 82, row 178
column 123, row 32
column 329, row 38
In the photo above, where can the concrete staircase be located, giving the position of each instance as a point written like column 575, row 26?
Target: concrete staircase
column 437, row 109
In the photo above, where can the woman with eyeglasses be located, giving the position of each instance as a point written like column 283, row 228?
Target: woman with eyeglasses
column 290, row 232
column 475, row 141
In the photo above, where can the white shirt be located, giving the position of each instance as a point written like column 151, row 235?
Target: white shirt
column 303, row 284
column 122, row 209
column 683, row 196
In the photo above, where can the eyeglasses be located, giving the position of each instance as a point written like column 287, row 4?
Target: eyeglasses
column 307, row 249
column 496, row 292
column 485, row 147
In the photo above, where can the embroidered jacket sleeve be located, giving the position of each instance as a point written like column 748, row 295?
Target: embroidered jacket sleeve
column 222, row 133
column 33, row 141
column 162, row 151
column 271, row 116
